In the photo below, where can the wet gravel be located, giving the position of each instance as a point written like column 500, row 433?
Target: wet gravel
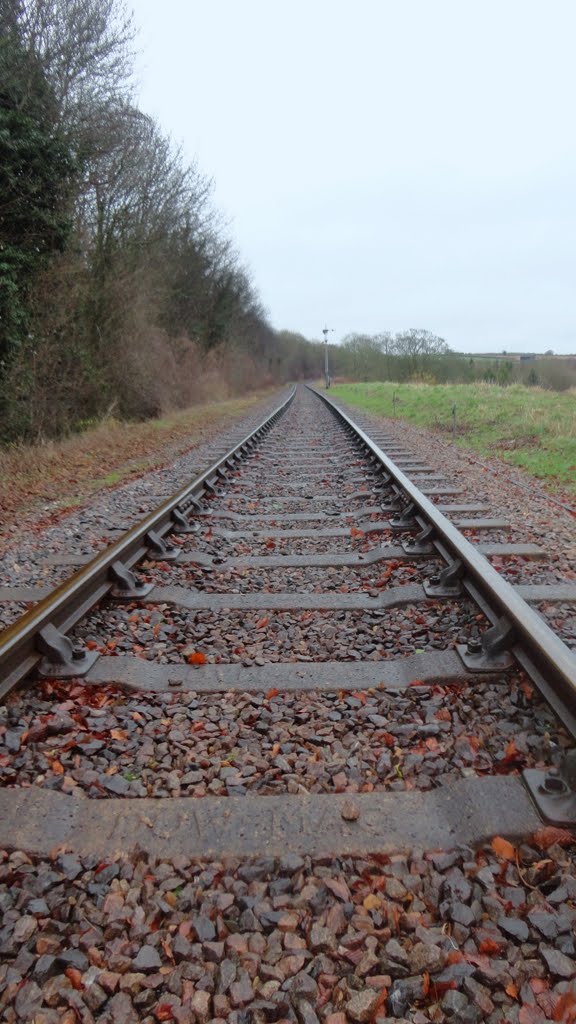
column 302, row 580
column 562, row 619
column 12, row 610
column 211, row 542
column 165, row 633
column 104, row 743
column 463, row 935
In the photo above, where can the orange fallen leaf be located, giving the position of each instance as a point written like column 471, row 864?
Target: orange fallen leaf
column 489, row 946
column 380, row 1002
column 273, row 692
column 57, row 768
column 527, row 689
column 503, row 849
column 548, row 836
column 565, row 1009
column 196, row 658
column 426, row 983
column 119, row 734
column 512, row 990
column 440, row 987
column 512, row 754
column 164, row 1012
column 74, row 977
column 372, row 902
column 261, row 623
column 529, row 1014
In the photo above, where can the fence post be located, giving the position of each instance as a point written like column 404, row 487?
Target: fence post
column 454, row 421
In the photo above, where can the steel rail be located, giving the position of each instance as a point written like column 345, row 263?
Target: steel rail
column 73, row 598
column 549, row 662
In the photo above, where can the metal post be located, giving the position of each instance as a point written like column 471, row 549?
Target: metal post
column 454, row 421
column 325, row 331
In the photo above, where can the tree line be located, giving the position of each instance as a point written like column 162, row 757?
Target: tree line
column 120, row 290
column 420, row 355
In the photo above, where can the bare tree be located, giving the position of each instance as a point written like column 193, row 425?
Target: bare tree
column 85, row 47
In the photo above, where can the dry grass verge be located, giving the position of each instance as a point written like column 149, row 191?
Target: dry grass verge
column 65, row 474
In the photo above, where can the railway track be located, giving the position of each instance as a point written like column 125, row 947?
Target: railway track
column 303, row 665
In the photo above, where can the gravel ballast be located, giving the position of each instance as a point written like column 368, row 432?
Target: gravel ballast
column 471, row 936
column 417, row 936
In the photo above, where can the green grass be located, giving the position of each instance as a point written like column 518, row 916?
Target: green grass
column 529, row 427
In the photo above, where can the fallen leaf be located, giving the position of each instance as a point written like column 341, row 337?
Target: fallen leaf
column 531, row 1015
column 565, row 1009
column 196, row 658
column 372, row 902
column 512, row 990
column 548, row 836
column 490, row 946
column 273, row 692
column 380, row 1002
column 503, row 849
column 164, row 1012
column 262, row 623
column 527, row 689
column 74, row 977
column 455, row 956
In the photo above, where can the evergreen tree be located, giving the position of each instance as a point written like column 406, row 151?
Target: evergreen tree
column 35, row 173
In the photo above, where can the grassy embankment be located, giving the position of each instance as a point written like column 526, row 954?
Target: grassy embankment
column 69, row 471
column 529, row 427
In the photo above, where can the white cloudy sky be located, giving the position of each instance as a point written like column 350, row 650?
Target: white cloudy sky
column 384, row 163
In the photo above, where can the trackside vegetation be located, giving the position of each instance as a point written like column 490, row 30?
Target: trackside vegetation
column 526, row 426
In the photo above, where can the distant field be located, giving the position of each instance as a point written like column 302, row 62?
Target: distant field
column 528, row 427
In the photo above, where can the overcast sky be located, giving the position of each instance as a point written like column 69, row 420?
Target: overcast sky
column 384, row 164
